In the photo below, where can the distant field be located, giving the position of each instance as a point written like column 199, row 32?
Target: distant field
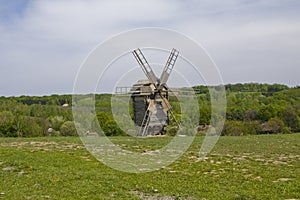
column 248, row 167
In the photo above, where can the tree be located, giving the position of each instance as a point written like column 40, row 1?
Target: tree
column 28, row 126
column 290, row 118
column 103, row 118
column 56, row 122
column 110, row 128
column 7, row 124
column 250, row 114
column 233, row 128
column 252, row 127
column 68, row 129
column 205, row 115
column 267, row 112
column 274, row 125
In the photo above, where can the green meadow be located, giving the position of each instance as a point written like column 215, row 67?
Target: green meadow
column 248, row 167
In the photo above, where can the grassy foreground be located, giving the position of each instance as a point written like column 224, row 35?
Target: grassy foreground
column 248, row 167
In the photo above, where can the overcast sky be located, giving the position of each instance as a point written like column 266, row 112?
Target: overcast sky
column 43, row 43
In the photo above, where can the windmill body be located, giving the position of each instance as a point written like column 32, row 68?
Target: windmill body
column 148, row 109
column 150, row 101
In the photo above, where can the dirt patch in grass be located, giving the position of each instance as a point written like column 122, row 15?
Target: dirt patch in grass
column 43, row 145
column 282, row 180
column 145, row 196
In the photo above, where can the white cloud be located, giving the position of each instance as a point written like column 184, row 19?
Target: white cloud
column 250, row 42
column 51, row 38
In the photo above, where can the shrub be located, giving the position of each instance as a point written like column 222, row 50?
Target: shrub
column 274, row 125
column 171, row 130
column 252, row 127
column 110, row 128
column 7, row 124
column 233, row 128
column 286, row 130
column 68, row 129
column 27, row 126
column 56, row 122
column 290, row 118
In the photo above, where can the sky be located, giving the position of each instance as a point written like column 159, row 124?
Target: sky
column 43, row 43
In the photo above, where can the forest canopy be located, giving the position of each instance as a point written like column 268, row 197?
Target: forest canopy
column 252, row 108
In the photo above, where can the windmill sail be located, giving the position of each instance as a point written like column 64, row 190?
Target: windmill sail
column 168, row 67
column 145, row 66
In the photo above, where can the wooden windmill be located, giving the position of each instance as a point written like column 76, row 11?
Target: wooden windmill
column 150, row 98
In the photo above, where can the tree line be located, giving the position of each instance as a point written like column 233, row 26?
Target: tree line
column 252, row 108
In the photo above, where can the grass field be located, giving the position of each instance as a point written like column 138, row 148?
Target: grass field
column 248, row 167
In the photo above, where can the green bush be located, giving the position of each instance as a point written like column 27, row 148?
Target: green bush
column 68, row 129
column 56, row 122
column 110, row 128
column 7, row 124
column 233, row 128
column 286, row 130
column 290, row 118
column 171, row 130
column 274, row 125
column 27, row 126
column 8, row 130
column 252, row 127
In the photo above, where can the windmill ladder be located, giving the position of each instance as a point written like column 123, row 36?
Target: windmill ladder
column 145, row 124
